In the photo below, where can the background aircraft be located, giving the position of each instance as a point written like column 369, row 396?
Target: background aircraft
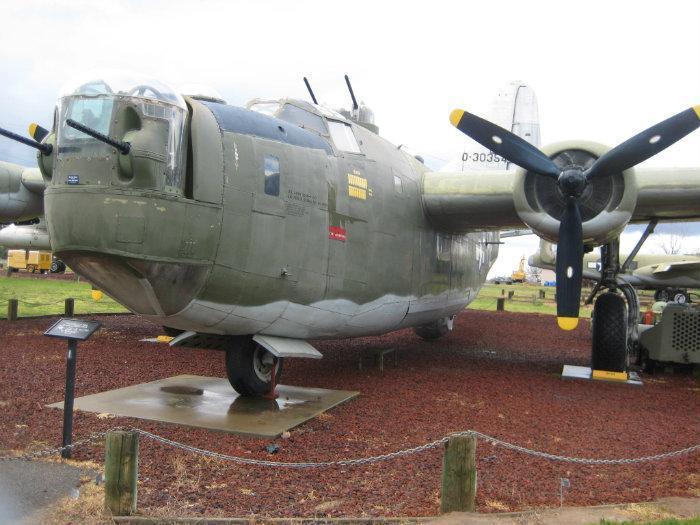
column 670, row 275
column 255, row 229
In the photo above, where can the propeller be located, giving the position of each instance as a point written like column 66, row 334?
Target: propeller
column 37, row 132
column 572, row 181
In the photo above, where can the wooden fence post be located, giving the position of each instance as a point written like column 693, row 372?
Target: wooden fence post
column 69, row 307
column 500, row 303
column 12, row 307
column 511, row 293
column 459, row 475
column 121, row 472
column 542, row 294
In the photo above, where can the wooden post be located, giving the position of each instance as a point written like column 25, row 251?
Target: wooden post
column 511, row 293
column 69, row 307
column 500, row 303
column 121, row 472
column 12, row 307
column 459, row 475
column 542, row 294
column 503, row 291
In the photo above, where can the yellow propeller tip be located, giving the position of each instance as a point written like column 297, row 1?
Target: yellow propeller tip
column 567, row 323
column 456, row 116
column 32, row 129
column 697, row 110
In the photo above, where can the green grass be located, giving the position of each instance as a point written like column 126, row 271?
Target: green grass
column 526, row 299
column 47, row 296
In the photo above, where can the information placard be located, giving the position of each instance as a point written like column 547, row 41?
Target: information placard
column 75, row 329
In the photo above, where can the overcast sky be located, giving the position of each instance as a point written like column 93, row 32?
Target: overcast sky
column 601, row 70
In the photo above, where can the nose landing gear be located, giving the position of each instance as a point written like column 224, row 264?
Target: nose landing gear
column 251, row 369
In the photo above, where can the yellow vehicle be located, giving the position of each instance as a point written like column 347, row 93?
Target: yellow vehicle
column 33, row 261
column 17, row 260
column 519, row 275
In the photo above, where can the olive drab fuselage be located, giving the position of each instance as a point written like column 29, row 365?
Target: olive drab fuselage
column 256, row 225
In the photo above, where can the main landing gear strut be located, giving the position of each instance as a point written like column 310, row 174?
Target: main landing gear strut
column 616, row 311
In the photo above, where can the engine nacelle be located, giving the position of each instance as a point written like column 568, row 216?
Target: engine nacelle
column 606, row 204
column 21, row 193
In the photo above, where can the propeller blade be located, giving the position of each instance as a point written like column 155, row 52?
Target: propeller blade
column 504, row 143
column 646, row 144
column 569, row 266
column 37, row 132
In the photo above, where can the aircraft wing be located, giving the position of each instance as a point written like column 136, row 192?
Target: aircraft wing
column 21, row 193
column 667, row 193
column 499, row 200
column 680, row 266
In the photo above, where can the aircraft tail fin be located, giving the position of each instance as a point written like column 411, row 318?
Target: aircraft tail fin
column 514, row 108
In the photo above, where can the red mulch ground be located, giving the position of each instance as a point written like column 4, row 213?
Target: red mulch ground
column 497, row 373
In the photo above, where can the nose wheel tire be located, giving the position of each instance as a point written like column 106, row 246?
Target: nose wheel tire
column 249, row 367
column 609, row 346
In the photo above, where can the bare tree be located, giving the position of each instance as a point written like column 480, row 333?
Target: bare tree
column 671, row 244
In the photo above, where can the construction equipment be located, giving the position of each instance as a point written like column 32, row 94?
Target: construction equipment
column 519, row 275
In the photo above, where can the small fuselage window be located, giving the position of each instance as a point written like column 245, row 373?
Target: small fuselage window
column 302, row 118
column 272, row 175
column 343, row 137
column 266, row 108
column 398, row 184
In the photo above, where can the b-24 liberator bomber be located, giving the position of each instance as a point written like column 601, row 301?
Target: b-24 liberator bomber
column 255, row 229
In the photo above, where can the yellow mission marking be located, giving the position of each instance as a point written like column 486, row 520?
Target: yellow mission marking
column 567, row 323
column 355, row 180
column 357, row 193
column 607, row 375
column 456, row 116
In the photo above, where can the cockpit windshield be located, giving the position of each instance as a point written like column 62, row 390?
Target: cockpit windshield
column 122, row 105
column 118, row 82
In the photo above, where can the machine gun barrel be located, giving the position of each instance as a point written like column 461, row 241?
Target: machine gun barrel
column 308, row 86
column 122, row 147
column 352, row 93
column 46, row 149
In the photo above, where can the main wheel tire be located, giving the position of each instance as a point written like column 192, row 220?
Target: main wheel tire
column 680, row 296
column 249, row 367
column 435, row 329
column 609, row 346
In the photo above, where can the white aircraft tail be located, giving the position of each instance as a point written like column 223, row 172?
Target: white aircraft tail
column 514, row 108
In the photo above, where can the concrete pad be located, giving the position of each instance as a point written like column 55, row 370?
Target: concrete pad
column 210, row 402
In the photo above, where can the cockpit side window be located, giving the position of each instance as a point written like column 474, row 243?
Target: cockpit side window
column 303, row 118
column 343, row 137
column 266, row 108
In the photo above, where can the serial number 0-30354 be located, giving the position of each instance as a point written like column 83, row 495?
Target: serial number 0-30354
column 482, row 157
